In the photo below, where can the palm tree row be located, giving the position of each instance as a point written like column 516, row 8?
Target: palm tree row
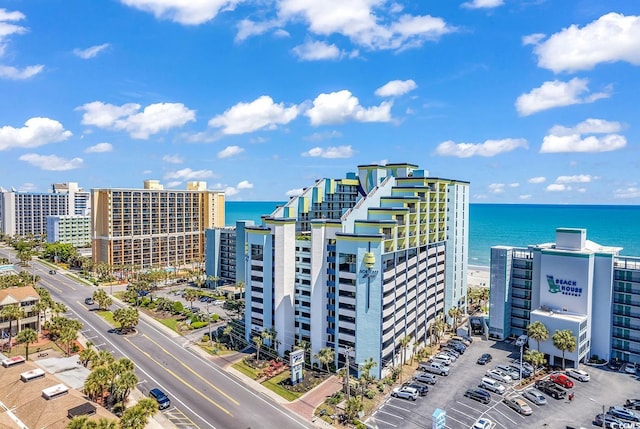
column 563, row 340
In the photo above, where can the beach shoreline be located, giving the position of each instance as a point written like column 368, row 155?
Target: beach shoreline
column 478, row 276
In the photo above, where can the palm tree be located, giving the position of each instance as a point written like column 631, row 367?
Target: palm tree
column 439, row 326
column 365, row 375
column 103, row 357
column 97, row 382
column 68, row 334
column 104, row 301
column 325, row 356
column 257, row 340
column 455, row 313
column 404, row 343
column 124, row 384
column 87, row 355
column 12, row 312
column 538, row 332
column 27, row 336
column 564, row 341
column 228, row 330
column 191, row 295
column 137, row 416
column 535, row 358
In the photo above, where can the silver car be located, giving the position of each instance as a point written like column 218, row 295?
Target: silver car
column 534, row 396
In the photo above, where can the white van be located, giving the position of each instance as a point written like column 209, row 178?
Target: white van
column 442, row 358
column 492, row 385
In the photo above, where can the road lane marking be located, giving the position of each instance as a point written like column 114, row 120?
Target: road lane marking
column 192, row 371
column 138, row 368
column 206, row 398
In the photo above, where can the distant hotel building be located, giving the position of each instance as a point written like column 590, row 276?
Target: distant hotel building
column 572, row 284
column 358, row 263
column 25, row 213
column 69, row 229
column 26, row 298
column 153, row 227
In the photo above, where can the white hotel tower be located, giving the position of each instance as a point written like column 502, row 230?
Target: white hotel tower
column 358, row 263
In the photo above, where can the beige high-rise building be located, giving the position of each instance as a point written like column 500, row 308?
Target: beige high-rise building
column 153, row 227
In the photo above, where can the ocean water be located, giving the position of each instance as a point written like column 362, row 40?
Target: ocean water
column 513, row 224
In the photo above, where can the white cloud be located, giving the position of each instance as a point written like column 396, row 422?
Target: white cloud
column 488, row 148
column 569, row 139
column 90, row 52
column 326, row 135
column 189, row 174
column 612, row 37
column 315, row 51
column 341, row 106
column 191, row 12
column 294, row 192
column 99, row 148
column 51, row 162
column 330, row 152
column 233, row 190
column 579, row 178
column 35, row 132
column 13, row 73
column 173, row 159
column 249, row 117
column 482, row 4
column 539, row 179
column 626, row 193
column 364, row 22
column 496, row 188
column 174, row 184
column 27, row 187
column 153, row 119
column 514, row 185
column 558, row 187
column 556, row 94
column 8, row 28
column 588, row 126
column 230, row 151
column 533, row 39
column 525, row 197
column 395, row 88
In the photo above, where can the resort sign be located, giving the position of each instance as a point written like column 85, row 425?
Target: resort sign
column 563, row 286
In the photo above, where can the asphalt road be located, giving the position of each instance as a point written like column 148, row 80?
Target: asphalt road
column 205, row 395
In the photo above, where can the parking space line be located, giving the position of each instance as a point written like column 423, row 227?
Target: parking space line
column 390, row 414
column 384, row 422
column 398, row 407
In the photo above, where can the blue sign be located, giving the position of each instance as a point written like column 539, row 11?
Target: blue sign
column 438, row 419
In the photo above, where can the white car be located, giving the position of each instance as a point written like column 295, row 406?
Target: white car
column 522, row 340
column 483, row 423
column 578, row 374
column 534, row 396
column 501, row 376
column 443, row 357
column 631, row 368
column 405, row 392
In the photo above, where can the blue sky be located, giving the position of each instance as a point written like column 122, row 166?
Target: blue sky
column 531, row 101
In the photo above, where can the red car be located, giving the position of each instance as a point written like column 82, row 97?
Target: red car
column 562, row 380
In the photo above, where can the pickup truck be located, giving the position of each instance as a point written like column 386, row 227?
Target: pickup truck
column 551, row 389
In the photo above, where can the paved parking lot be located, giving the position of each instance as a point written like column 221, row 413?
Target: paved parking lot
column 606, row 388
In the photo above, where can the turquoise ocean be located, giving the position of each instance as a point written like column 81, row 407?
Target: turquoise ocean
column 513, row 224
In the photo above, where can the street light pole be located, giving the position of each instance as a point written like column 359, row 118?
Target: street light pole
column 521, row 347
column 209, row 322
column 603, row 412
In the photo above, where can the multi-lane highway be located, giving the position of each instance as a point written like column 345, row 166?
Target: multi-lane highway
column 205, row 394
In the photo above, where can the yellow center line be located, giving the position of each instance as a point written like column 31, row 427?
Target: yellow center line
column 206, row 398
column 193, row 372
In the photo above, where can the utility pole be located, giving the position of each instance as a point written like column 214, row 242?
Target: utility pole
column 347, row 351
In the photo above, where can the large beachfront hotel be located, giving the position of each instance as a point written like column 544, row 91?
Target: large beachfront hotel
column 572, row 284
column 358, row 263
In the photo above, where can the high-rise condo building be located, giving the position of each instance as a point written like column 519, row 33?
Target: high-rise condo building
column 153, row 227
column 573, row 284
column 25, row 213
column 357, row 264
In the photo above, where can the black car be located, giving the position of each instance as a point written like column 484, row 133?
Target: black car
column 484, row 359
column 479, row 395
column 609, row 421
column 457, row 346
column 52, row 271
column 422, row 388
column 615, row 365
column 632, row 404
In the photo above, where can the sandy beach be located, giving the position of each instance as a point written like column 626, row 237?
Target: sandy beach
column 477, row 276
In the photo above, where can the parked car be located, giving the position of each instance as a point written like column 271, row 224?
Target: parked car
column 462, row 340
column 458, row 345
column 526, row 365
column 405, row 393
column 511, row 372
column 496, row 374
column 450, row 351
column 161, row 398
column 517, row 403
column 88, row 301
column 631, row 368
column 479, row 395
column 610, row 422
column 578, row 374
column 422, row 388
column 624, row 414
column 484, row 359
column 550, row 388
column 435, row 368
column 425, row 378
column 52, row 271
column 522, row 340
column 483, row 423
column 615, row 364
column 562, row 380
column 492, row 385
column 525, row 372
column 444, row 357
column 632, row 404
column 534, row 396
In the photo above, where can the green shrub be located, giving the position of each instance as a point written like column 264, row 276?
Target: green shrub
column 360, row 425
column 370, row 394
column 380, row 386
column 196, row 325
column 177, row 307
column 205, row 338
